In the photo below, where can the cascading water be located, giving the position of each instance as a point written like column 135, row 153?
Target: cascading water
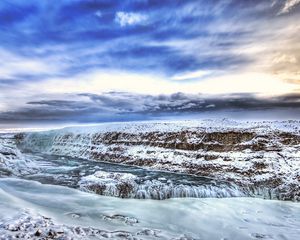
column 130, row 186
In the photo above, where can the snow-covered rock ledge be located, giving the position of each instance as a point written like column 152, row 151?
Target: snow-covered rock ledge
column 254, row 155
column 26, row 225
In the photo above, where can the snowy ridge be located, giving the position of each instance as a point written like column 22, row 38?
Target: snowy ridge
column 173, row 126
column 254, row 155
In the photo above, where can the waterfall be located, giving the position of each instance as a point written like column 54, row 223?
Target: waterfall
column 129, row 186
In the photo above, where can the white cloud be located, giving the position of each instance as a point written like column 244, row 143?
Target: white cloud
column 244, row 82
column 97, row 82
column 14, row 64
column 129, row 18
column 191, row 75
column 284, row 58
column 289, row 5
column 98, row 14
column 102, row 81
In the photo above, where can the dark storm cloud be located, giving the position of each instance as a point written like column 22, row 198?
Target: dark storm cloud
column 114, row 106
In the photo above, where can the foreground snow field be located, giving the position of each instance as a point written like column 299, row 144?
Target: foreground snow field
column 260, row 156
column 30, row 210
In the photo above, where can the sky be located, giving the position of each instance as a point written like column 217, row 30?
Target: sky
column 89, row 61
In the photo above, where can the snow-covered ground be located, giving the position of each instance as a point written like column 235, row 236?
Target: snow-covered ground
column 256, row 155
column 30, row 210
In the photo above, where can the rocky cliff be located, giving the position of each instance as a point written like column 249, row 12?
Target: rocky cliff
column 262, row 156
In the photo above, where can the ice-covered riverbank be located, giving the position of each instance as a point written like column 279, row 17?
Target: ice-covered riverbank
column 30, row 209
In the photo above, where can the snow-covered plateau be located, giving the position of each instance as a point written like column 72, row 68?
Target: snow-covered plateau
column 261, row 157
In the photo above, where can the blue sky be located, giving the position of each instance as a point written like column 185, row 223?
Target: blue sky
column 112, row 60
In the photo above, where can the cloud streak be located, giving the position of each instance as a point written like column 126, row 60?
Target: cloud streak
column 129, row 18
column 289, row 5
